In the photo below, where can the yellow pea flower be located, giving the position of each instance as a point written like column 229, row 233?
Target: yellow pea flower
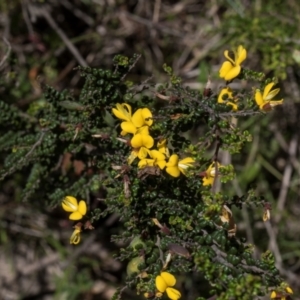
column 78, row 210
column 263, row 100
column 210, row 174
column 140, row 143
column 174, row 166
column 164, row 283
column 75, row 237
column 140, row 118
column 232, row 68
column 157, row 159
column 226, row 95
column 162, row 147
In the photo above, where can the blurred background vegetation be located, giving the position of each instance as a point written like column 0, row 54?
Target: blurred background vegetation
column 43, row 41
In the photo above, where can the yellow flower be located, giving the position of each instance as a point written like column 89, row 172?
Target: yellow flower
column 157, row 159
column 232, row 68
column 210, row 174
column 282, row 295
column 175, row 166
column 162, row 147
column 75, row 237
column 225, row 95
column 164, row 283
column 264, row 100
column 140, row 143
column 78, row 210
column 141, row 117
column 289, row 290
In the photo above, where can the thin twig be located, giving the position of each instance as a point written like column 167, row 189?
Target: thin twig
column 287, row 174
column 43, row 11
column 78, row 13
column 5, row 57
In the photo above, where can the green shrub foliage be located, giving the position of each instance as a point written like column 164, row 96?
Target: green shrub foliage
column 71, row 145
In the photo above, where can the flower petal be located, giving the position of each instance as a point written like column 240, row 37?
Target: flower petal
column 160, row 284
column 225, row 68
column 75, row 216
column 123, row 111
column 128, row 127
column 173, row 294
column 157, row 155
column 241, row 55
column 147, row 115
column 173, row 161
column 75, row 237
column 259, row 98
column 272, row 94
column 173, row 171
column 168, row 278
column 138, row 119
column 146, row 162
column 143, row 153
column 137, row 141
column 267, row 90
column 234, row 72
column 275, row 103
column 226, row 54
column 188, row 162
column 148, row 141
column 133, row 155
column 69, row 204
column 82, row 207
column 208, row 181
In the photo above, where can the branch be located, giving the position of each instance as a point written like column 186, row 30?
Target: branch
column 43, row 11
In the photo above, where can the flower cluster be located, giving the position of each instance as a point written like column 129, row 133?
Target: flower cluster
column 78, row 211
column 142, row 142
column 164, row 283
column 231, row 69
column 283, row 294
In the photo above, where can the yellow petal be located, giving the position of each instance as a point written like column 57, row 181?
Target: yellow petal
column 157, row 155
column 75, row 237
column 143, row 152
column 148, row 141
column 146, row 162
column 123, row 111
column 258, row 98
column 289, row 290
column 234, row 72
column 225, row 92
column 160, row 284
column 147, row 115
column 143, row 130
column 188, row 161
column 82, row 207
column 173, row 294
column 225, row 68
column 137, row 141
column 241, row 55
column 272, row 94
column 161, row 164
column 273, row 295
column 226, row 54
column 70, row 204
column 173, row 171
column 208, row 181
column 75, row 216
column 133, row 155
column 128, row 127
column 267, row 89
column 138, row 119
column 168, row 278
column 173, row 161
